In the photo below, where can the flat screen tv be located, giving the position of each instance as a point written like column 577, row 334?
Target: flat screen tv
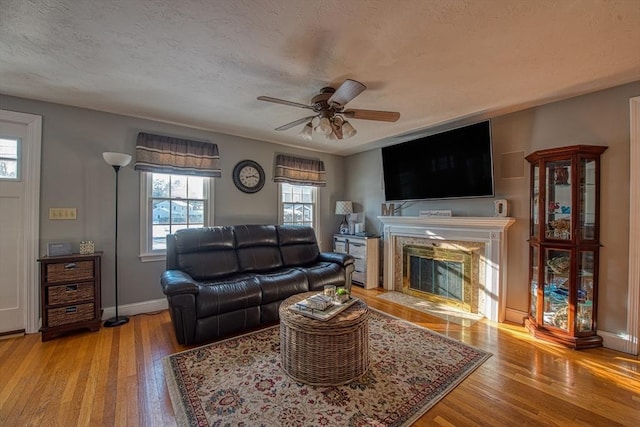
column 452, row 164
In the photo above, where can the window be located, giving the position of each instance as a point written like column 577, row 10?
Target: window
column 9, row 159
column 169, row 203
column 298, row 205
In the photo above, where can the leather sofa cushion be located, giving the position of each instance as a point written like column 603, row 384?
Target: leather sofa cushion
column 298, row 245
column 270, row 312
column 280, row 285
column 227, row 295
column 225, row 324
column 207, row 253
column 257, row 247
column 324, row 273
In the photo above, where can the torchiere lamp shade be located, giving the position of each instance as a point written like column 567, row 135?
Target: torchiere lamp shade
column 116, row 159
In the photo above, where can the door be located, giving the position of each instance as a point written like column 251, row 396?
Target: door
column 19, row 213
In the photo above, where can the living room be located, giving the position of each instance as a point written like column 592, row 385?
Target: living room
column 74, row 174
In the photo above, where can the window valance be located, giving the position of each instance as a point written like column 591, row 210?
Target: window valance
column 164, row 154
column 300, row 171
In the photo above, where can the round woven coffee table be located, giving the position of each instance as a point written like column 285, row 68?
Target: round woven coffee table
column 324, row 353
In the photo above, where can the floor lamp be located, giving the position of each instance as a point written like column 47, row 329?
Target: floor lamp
column 117, row 160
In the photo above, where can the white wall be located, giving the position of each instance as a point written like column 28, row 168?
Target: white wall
column 601, row 118
column 74, row 175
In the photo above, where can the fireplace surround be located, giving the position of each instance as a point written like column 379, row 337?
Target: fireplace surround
column 487, row 236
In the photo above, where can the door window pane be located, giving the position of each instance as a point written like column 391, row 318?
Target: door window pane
column 9, row 159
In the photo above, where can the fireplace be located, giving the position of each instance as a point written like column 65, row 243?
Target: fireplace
column 441, row 274
column 473, row 248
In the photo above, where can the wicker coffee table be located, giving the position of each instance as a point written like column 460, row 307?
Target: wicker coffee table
column 324, row 353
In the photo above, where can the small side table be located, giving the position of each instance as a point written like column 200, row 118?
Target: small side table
column 324, row 353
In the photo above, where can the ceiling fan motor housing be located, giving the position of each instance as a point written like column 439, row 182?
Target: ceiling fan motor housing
column 320, row 104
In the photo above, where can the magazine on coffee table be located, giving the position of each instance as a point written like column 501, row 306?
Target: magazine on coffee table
column 308, row 310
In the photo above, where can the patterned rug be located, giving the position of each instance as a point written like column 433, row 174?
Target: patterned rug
column 448, row 313
column 239, row 381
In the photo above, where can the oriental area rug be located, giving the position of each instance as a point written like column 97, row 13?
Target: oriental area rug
column 239, row 381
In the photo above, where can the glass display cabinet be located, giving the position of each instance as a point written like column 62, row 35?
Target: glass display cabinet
column 564, row 245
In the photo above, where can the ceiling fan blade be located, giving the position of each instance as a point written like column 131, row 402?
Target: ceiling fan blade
column 382, row 116
column 284, row 102
column 295, row 123
column 348, row 90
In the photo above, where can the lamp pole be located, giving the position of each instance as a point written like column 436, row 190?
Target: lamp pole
column 116, row 160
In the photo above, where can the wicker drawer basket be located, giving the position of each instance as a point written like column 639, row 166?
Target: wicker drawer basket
column 68, row 294
column 358, row 276
column 70, row 314
column 357, row 250
column 63, row 272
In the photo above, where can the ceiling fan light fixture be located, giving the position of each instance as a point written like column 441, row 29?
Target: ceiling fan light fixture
column 324, row 126
column 307, row 132
column 328, row 106
column 347, row 130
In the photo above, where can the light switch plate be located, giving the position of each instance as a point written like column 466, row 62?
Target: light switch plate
column 62, row 213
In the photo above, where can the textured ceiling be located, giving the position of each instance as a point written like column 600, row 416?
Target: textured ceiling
column 203, row 63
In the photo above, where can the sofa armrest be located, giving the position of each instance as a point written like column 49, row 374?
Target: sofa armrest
column 348, row 262
column 336, row 257
column 175, row 282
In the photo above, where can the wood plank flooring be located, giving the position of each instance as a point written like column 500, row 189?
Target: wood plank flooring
column 114, row 377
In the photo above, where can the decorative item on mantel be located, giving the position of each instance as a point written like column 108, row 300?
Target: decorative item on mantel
column 344, row 207
column 500, row 207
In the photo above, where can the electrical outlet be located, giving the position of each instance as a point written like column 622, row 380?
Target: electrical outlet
column 62, row 213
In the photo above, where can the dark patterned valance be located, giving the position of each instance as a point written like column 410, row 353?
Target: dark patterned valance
column 164, row 154
column 299, row 171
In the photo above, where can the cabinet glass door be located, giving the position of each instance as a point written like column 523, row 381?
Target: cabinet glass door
column 557, row 288
column 535, row 199
column 587, row 199
column 558, row 198
column 584, row 318
column 534, row 281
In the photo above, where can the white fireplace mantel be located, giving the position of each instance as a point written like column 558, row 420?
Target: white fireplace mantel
column 492, row 231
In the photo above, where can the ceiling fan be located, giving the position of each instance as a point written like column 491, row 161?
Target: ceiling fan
column 328, row 107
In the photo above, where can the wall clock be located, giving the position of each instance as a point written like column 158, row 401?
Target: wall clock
column 248, row 176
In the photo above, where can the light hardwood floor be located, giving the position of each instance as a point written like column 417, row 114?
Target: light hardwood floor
column 115, row 377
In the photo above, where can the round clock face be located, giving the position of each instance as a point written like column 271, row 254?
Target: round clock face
column 248, row 176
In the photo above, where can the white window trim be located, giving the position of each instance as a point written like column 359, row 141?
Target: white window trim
column 316, row 211
column 146, row 254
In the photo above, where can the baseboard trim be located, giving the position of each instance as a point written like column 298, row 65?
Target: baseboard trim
column 609, row 340
column 618, row 342
column 515, row 316
column 136, row 308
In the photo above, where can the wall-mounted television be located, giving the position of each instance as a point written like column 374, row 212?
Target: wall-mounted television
column 452, row 164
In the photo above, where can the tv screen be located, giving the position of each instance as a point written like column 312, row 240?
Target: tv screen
column 452, row 164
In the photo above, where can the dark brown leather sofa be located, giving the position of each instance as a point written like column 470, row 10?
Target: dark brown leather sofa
column 226, row 279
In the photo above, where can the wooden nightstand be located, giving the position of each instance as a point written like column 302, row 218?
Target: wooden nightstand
column 69, row 293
